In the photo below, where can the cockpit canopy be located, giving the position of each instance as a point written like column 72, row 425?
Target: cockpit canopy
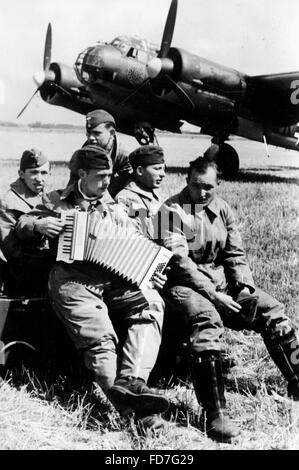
column 135, row 47
column 104, row 60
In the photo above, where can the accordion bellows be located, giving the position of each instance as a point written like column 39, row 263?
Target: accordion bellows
column 88, row 236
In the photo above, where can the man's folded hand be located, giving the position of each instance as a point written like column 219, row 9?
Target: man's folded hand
column 226, row 302
column 49, row 226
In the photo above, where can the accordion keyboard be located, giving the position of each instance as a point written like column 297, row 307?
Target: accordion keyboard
column 64, row 249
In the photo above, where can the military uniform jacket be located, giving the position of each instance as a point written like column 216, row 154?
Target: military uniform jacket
column 141, row 205
column 17, row 201
column 208, row 249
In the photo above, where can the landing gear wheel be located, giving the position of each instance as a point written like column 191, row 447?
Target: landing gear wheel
column 228, row 161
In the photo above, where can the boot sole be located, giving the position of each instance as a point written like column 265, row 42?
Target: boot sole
column 141, row 403
column 216, row 436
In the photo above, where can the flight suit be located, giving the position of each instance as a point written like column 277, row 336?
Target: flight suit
column 98, row 308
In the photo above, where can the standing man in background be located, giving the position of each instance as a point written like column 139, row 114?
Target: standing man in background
column 100, row 131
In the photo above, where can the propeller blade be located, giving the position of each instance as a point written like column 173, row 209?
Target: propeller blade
column 168, row 30
column 180, row 92
column 27, row 104
column 133, row 93
column 48, row 48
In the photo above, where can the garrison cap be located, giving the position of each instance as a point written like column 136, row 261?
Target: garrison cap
column 90, row 157
column 97, row 117
column 146, row 155
column 32, row 158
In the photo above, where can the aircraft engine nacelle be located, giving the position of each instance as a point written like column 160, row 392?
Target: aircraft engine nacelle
column 205, row 74
column 58, row 85
column 65, row 76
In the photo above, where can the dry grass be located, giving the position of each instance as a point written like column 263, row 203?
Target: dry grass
column 266, row 204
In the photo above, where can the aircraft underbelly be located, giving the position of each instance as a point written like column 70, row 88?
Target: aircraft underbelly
column 144, row 106
column 255, row 131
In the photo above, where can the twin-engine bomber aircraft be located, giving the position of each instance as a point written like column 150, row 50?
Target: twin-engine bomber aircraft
column 146, row 87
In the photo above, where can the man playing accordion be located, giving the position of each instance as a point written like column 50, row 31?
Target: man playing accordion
column 115, row 325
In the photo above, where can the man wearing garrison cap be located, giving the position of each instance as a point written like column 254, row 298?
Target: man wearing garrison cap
column 24, row 194
column 97, row 307
column 19, row 259
column 140, row 197
column 100, row 131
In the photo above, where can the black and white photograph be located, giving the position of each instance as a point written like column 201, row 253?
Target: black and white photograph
column 149, row 188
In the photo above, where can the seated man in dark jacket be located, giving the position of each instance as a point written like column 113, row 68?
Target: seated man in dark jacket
column 211, row 285
column 28, row 262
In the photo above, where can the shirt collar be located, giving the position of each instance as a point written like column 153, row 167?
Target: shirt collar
column 150, row 194
column 213, row 206
column 79, row 188
column 20, row 188
column 72, row 189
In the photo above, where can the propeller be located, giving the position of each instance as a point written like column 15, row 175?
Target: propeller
column 168, row 30
column 46, row 74
column 48, row 48
column 162, row 63
column 27, row 104
column 180, row 92
column 161, row 66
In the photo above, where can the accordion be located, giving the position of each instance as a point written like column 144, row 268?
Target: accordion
column 88, row 236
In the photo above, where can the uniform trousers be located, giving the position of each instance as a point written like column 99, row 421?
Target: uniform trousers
column 205, row 324
column 117, row 327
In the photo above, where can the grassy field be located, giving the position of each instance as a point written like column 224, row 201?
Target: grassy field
column 265, row 199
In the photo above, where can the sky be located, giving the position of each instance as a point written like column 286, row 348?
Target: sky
column 253, row 36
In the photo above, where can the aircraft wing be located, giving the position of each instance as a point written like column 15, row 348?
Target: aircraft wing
column 285, row 137
column 274, row 99
column 281, row 81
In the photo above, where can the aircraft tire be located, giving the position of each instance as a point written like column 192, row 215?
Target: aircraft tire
column 228, row 161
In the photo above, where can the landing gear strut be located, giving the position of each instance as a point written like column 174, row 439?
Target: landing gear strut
column 144, row 133
column 226, row 158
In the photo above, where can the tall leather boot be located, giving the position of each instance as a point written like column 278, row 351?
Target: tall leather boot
column 207, row 377
column 285, row 353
